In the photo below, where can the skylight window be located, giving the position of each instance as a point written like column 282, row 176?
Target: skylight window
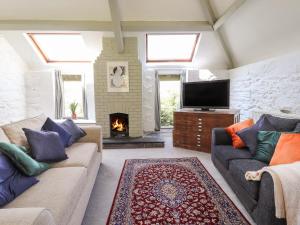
column 61, row 48
column 171, row 47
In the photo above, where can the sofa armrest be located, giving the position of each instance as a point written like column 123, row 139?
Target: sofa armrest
column 26, row 216
column 93, row 135
column 220, row 137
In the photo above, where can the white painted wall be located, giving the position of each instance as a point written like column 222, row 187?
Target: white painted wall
column 40, row 93
column 267, row 86
column 12, row 84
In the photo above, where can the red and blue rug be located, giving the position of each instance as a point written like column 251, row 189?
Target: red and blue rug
column 170, row 191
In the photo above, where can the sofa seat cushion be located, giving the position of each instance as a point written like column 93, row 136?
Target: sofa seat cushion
column 225, row 153
column 238, row 168
column 80, row 155
column 59, row 190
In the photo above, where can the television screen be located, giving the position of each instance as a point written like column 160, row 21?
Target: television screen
column 206, row 94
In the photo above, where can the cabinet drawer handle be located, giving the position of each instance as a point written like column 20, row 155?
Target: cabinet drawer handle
column 199, row 145
column 200, row 130
column 199, row 119
column 198, row 135
column 200, row 126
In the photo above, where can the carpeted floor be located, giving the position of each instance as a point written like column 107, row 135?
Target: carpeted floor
column 110, row 170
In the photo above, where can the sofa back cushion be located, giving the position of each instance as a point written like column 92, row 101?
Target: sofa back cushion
column 3, row 137
column 15, row 133
column 282, row 124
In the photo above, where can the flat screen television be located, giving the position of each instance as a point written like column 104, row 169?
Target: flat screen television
column 206, row 95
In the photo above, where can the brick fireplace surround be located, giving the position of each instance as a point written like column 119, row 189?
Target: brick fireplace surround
column 121, row 102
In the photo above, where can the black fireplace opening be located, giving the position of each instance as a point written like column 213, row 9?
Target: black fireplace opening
column 119, row 125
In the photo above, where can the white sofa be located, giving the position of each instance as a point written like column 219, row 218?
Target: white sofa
column 62, row 193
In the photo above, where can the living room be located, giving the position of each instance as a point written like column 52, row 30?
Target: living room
column 149, row 112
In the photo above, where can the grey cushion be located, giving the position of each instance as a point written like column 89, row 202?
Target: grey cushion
column 225, row 153
column 238, row 168
column 297, row 128
column 283, row 124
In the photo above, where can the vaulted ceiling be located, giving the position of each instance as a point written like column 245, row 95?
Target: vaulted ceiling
column 257, row 30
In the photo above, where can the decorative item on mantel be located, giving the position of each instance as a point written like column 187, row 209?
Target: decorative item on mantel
column 117, row 76
column 73, row 107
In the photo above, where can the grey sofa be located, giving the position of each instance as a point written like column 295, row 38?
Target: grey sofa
column 257, row 197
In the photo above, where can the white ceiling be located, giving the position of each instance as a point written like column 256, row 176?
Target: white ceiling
column 98, row 10
column 260, row 29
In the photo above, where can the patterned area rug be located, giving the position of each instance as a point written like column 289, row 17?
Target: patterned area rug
column 170, row 191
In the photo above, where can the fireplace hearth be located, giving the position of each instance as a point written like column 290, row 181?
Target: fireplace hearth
column 119, row 126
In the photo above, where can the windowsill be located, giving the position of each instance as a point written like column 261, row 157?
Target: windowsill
column 80, row 121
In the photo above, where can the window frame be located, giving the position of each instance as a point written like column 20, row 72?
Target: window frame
column 44, row 55
column 190, row 59
column 83, row 89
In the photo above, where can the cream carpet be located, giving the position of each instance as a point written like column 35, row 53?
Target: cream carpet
column 110, row 170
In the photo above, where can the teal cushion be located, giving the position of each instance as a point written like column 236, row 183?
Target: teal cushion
column 21, row 160
column 267, row 141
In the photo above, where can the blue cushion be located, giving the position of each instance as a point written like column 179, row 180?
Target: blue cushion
column 249, row 135
column 73, row 129
column 45, row 146
column 12, row 182
column 50, row 125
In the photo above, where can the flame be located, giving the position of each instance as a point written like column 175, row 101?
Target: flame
column 119, row 126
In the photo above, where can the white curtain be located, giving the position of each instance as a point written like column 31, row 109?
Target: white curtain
column 59, row 95
column 182, row 80
column 157, row 102
column 85, row 103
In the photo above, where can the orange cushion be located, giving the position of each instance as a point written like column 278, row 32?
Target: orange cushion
column 231, row 130
column 287, row 149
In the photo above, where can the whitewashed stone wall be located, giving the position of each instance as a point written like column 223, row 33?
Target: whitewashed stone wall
column 123, row 102
column 267, row 86
column 12, row 84
column 40, row 93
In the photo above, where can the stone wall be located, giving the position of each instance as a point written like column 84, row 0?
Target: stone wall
column 267, row 86
column 123, row 102
column 12, row 84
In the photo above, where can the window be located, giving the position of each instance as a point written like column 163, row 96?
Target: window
column 171, row 47
column 60, row 47
column 73, row 92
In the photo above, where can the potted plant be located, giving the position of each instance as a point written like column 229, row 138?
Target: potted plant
column 73, row 107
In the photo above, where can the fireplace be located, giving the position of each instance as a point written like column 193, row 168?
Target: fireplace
column 119, row 126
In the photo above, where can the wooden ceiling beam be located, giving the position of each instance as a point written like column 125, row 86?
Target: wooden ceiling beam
column 230, row 11
column 127, row 26
column 116, row 24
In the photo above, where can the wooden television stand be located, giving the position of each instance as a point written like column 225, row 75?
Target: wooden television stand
column 192, row 129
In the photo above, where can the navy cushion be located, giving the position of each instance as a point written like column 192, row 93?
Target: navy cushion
column 225, row 153
column 238, row 168
column 249, row 135
column 297, row 128
column 45, row 146
column 12, row 182
column 50, row 125
column 283, row 124
column 74, row 130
